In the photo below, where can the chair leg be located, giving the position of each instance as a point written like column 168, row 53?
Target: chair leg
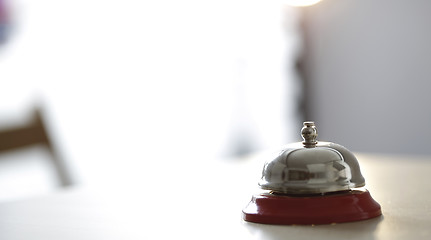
column 59, row 164
column 63, row 174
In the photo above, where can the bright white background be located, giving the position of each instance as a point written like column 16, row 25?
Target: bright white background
column 135, row 85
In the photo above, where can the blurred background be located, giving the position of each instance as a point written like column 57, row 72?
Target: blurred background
column 118, row 89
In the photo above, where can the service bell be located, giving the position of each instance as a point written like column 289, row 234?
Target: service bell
column 312, row 182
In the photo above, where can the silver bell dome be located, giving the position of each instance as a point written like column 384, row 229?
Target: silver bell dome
column 312, row 167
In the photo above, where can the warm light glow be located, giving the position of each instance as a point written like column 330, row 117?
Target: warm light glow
column 301, row 3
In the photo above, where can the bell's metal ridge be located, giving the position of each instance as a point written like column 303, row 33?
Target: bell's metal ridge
column 312, row 167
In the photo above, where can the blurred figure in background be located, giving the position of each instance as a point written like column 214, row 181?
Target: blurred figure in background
column 4, row 21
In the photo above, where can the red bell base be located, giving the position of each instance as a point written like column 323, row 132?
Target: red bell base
column 349, row 206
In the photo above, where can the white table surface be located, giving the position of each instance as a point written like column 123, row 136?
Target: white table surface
column 186, row 201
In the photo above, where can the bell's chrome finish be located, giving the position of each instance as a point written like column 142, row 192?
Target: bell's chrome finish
column 312, row 167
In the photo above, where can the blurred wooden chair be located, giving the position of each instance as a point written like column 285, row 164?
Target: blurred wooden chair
column 31, row 134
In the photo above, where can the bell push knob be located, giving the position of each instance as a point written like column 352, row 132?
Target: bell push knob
column 309, row 134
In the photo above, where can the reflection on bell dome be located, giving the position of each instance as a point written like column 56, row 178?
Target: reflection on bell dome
column 312, row 167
